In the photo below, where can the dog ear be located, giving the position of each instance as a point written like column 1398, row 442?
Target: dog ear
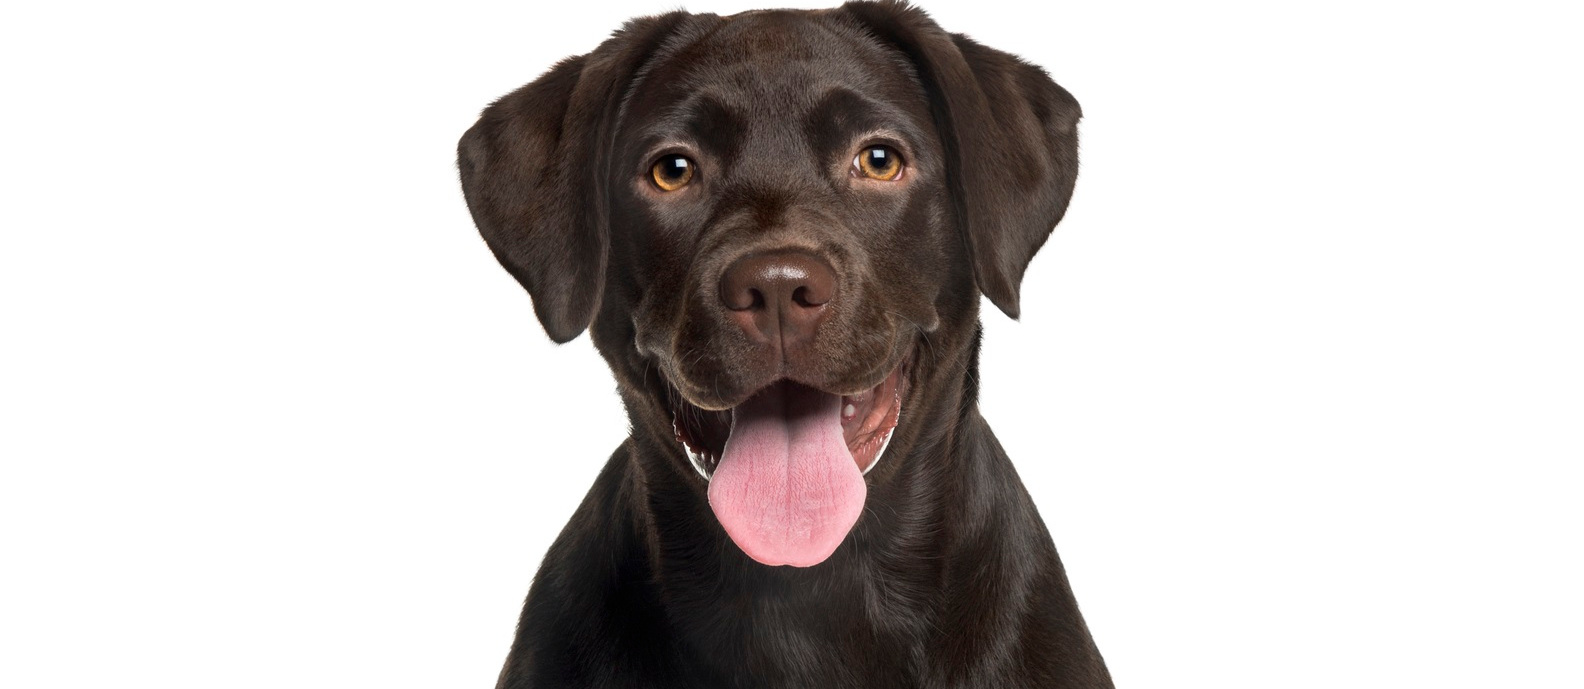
column 534, row 170
column 1011, row 140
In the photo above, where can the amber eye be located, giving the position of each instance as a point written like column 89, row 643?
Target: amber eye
column 878, row 162
column 672, row 172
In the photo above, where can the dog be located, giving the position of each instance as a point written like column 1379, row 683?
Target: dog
column 777, row 227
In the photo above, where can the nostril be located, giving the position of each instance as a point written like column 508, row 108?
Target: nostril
column 756, row 299
column 801, row 297
column 817, row 290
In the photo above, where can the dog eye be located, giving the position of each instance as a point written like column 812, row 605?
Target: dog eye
column 672, row 172
column 878, row 162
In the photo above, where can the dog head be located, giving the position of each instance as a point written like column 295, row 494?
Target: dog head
column 768, row 217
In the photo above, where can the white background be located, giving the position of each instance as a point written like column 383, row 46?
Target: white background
column 1297, row 387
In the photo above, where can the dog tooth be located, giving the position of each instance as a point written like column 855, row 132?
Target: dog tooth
column 849, row 411
column 697, row 460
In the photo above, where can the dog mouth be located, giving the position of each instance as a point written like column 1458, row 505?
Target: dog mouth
column 867, row 420
column 786, row 466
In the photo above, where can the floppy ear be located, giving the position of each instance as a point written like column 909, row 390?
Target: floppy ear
column 534, row 168
column 1011, row 140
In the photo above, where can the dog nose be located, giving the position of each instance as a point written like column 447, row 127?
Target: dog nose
column 778, row 294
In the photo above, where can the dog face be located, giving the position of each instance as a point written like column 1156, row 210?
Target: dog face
column 776, row 221
column 809, row 241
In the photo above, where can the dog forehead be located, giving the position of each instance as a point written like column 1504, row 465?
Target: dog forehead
column 781, row 62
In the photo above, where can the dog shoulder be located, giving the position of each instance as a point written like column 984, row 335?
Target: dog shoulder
column 590, row 619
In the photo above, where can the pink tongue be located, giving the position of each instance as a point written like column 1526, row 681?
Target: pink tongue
column 787, row 489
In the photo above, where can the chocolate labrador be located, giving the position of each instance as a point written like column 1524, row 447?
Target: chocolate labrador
column 777, row 226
